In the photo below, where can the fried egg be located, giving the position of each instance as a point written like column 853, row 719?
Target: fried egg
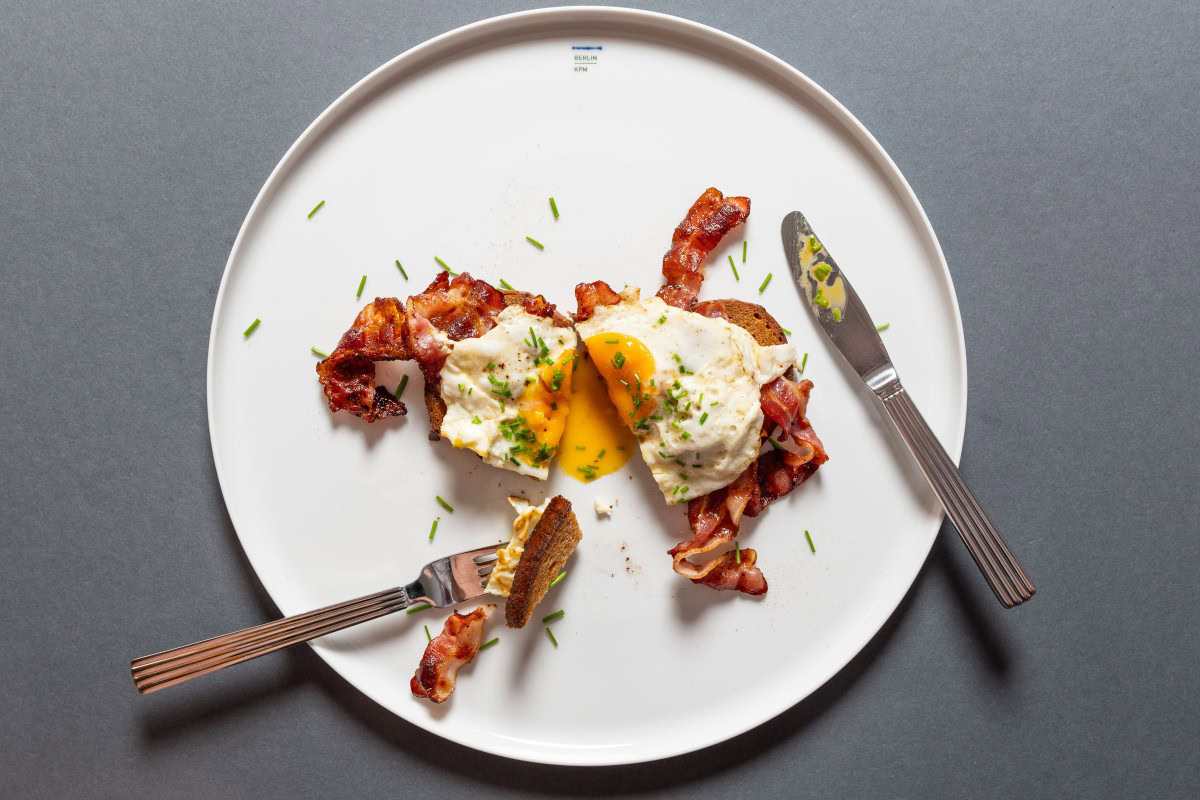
column 506, row 391
column 595, row 441
column 528, row 515
column 688, row 387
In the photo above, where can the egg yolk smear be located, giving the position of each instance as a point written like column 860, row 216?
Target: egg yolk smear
column 596, row 441
column 627, row 367
column 545, row 404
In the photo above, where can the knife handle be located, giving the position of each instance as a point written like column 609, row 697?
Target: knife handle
column 991, row 553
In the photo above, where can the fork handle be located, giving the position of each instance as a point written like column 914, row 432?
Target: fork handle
column 171, row 667
column 991, row 553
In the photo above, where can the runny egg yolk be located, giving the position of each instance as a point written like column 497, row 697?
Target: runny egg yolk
column 596, row 442
column 627, row 367
column 544, row 406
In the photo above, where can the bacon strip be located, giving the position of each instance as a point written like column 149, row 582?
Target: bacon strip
column 708, row 220
column 716, row 517
column 590, row 295
column 348, row 375
column 463, row 308
column 454, row 647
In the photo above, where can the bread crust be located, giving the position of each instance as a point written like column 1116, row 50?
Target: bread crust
column 755, row 320
column 547, row 549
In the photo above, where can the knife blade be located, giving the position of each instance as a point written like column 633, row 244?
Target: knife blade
column 840, row 313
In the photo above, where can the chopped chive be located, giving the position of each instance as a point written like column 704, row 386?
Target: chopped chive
column 837, row 315
column 443, row 503
column 612, row 341
column 504, row 285
column 550, row 633
column 662, row 319
column 810, row 544
column 618, row 360
column 554, row 207
column 774, row 444
column 744, row 245
column 319, row 353
column 766, row 280
column 433, row 530
column 444, row 265
column 803, row 361
column 250, row 330
column 580, row 447
column 785, row 331
column 361, row 284
column 678, row 360
column 535, row 243
column 821, row 300
column 475, row 420
column 419, row 608
column 737, row 552
column 428, row 638
column 554, row 616
column 821, row 271
column 703, row 417
column 733, row 266
column 882, row 327
column 400, row 388
column 530, row 379
column 560, row 576
column 813, row 244
column 489, row 643
column 685, row 435
column 600, row 455
column 400, row 267
column 316, row 208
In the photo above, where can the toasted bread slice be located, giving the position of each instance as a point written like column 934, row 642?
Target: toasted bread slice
column 434, row 403
column 547, row 549
column 755, row 320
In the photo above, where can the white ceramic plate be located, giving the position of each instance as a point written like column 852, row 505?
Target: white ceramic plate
column 452, row 149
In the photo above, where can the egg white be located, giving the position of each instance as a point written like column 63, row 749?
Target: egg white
column 473, row 391
column 720, row 361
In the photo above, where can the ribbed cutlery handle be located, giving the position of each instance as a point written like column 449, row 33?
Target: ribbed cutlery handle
column 991, row 553
column 170, row 667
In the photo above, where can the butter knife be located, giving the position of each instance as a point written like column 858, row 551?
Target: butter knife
column 844, row 318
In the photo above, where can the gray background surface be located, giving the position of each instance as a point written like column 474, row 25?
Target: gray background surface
column 1057, row 152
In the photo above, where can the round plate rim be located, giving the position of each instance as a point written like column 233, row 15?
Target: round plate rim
column 545, row 21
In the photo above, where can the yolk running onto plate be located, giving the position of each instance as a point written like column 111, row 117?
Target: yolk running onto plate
column 596, row 442
column 545, row 404
column 627, row 367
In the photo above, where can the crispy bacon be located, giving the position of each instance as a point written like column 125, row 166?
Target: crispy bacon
column 716, row 517
column 728, row 573
column 455, row 646
column 348, row 375
column 590, row 295
column 708, row 220
column 462, row 308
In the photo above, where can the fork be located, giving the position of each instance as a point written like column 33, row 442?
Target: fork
column 448, row 581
